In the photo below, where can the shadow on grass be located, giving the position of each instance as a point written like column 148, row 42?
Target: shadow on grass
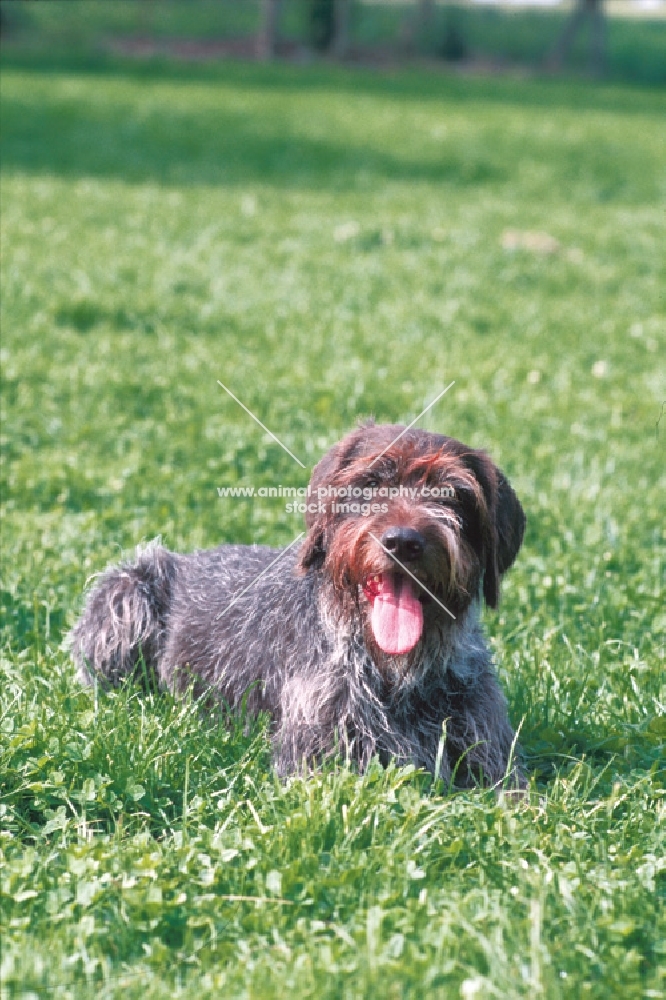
column 212, row 146
column 145, row 137
column 626, row 749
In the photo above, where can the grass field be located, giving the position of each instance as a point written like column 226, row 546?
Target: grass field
column 331, row 245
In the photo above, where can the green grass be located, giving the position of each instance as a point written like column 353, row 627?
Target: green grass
column 166, row 228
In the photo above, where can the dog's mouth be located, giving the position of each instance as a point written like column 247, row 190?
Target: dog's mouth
column 397, row 613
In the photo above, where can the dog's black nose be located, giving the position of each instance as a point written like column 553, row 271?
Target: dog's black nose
column 405, row 544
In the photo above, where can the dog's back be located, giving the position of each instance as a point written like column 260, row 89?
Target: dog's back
column 214, row 618
column 234, row 623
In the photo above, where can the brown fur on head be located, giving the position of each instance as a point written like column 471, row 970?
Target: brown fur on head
column 466, row 538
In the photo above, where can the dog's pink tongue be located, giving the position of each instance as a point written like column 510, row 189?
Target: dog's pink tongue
column 397, row 615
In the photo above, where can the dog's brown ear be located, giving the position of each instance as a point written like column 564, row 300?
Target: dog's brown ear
column 313, row 549
column 321, row 477
column 503, row 523
column 508, row 527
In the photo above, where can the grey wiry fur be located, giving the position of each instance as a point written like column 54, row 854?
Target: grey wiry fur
column 297, row 646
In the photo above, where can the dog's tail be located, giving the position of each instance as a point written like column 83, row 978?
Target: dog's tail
column 123, row 626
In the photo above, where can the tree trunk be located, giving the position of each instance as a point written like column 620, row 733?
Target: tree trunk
column 597, row 41
column 584, row 10
column 341, row 37
column 267, row 37
column 426, row 19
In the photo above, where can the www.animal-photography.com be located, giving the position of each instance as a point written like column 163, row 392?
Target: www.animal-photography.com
column 332, row 628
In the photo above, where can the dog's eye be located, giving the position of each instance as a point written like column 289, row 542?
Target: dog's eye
column 372, row 482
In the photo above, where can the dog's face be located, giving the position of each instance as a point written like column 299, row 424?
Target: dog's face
column 412, row 529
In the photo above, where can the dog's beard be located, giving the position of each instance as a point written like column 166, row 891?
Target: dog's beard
column 400, row 604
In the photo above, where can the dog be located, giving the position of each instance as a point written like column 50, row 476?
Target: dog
column 363, row 641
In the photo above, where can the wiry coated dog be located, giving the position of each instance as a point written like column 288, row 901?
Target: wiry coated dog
column 367, row 640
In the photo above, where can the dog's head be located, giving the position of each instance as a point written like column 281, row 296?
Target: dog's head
column 413, row 525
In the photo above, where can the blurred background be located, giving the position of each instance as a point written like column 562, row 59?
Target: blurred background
column 619, row 39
